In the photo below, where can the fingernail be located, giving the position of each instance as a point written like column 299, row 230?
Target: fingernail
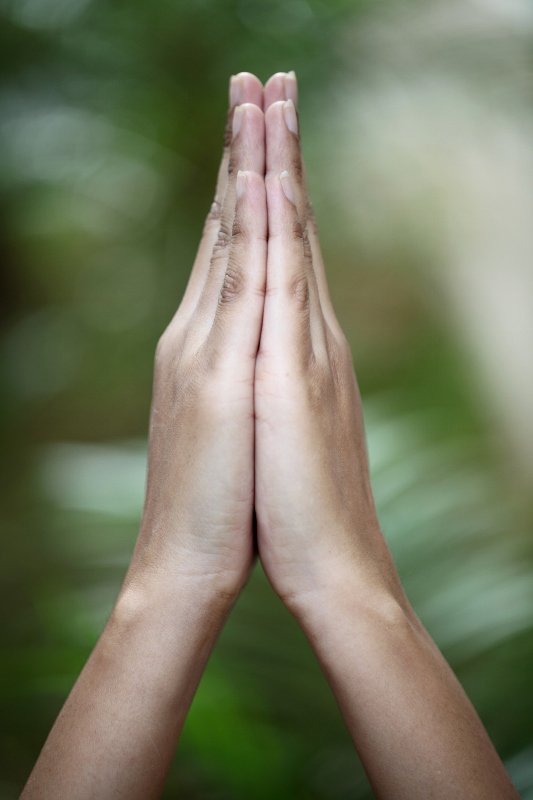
column 291, row 120
column 241, row 184
column 291, row 87
column 287, row 186
column 238, row 115
column 234, row 91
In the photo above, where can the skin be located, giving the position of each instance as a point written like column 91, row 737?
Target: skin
column 256, row 407
column 319, row 539
column 118, row 730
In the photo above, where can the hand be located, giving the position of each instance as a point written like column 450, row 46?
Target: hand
column 118, row 730
column 198, row 513
column 315, row 511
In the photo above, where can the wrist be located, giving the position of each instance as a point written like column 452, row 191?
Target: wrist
column 347, row 567
column 349, row 597
column 173, row 602
column 173, row 572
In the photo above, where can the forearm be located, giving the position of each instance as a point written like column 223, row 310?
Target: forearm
column 415, row 730
column 118, row 730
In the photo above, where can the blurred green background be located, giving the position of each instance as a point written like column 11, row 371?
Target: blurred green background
column 417, row 122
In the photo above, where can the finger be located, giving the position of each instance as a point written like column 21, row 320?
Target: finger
column 284, row 86
column 243, row 88
column 247, row 153
column 281, row 86
column 275, row 145
column 237, row 326
column 283, row 154
column 320, row 274
column 283, row 148
column 287, row 319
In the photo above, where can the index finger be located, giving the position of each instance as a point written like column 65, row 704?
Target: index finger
column 243, row 88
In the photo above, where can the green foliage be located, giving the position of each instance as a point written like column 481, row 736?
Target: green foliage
column 111, row 116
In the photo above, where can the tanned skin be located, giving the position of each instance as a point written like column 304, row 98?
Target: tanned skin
column 256, row 408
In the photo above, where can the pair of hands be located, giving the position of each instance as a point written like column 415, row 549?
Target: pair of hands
column 256, row 408
column 255, row 403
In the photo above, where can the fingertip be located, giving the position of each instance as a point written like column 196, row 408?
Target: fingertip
column 281, row 86
column 276, row 76
column 274, row 89
column 290, row 116
column 274, row 113
column 254, row 179
column 280, row 144
column 253, row 108
column 247, row 148
column 252, row 89
column 282, row 209
column 251, row 186
column 251, row 115
column 276, row 80
column 283, row 142
column 249, row 178
column 250, row 77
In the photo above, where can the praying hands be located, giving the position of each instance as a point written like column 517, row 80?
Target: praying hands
column 256, row 415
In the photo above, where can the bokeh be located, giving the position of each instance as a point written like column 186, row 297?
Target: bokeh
column 417, row 124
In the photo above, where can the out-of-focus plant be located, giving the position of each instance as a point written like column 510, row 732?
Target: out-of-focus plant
column 111, row 116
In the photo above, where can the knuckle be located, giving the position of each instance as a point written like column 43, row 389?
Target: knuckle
column 223, row 238
column 297, row 231
column 308, row 253
column 233, row 284
column 239, row 232
column 233, row 166
column 299, row 291
column 228, row 129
